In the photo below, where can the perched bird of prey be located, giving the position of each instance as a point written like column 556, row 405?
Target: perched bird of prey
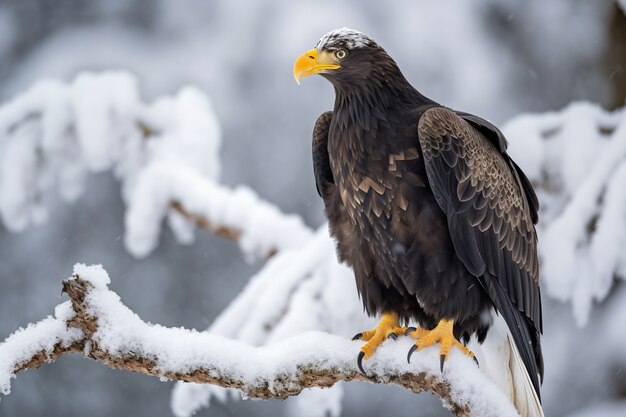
column 436, row 220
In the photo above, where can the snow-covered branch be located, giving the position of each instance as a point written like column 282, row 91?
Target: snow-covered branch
column 165, row 155
column 187, row 198
column 96, row 323
column 577, row 160
column 38, row 344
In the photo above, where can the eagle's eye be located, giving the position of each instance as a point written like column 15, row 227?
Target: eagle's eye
column 341, row 53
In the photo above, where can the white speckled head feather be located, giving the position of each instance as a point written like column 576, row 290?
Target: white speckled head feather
column 344, row 38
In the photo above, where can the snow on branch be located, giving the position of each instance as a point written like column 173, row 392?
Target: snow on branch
column 577, row 160
column 39, row 343
column 96, row 323
column 238, row 214
column 299, row 290
column 165, row 154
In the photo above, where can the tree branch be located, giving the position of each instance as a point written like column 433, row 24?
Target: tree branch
column 260, row 228
column 97, row 324
column 224, row 231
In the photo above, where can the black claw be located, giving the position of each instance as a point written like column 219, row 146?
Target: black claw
column 392, row 336
column 359, row 362
column 476, row 360
column 442, row 360
column 409, row 330
column 408, row 356
column 357, row 336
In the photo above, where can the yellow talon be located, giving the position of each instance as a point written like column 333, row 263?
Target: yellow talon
column 442, row 334
column 388, row 326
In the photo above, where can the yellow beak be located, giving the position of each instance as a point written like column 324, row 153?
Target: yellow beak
column 310, row 63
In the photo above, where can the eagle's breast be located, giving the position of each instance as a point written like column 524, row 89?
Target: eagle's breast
column 375, row 179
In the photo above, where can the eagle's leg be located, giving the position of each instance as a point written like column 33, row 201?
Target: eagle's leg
column 388, row 327
column 442, row 334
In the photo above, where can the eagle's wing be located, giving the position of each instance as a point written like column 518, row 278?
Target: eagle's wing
column 491, row 211
column 496, row 137
column 321, row 164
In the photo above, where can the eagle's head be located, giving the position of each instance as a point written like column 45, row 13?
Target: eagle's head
column 345, row 57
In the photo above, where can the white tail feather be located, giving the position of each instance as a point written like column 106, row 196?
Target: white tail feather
column 501, row 362
column 525, row 398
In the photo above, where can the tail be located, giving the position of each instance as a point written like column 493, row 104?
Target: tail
column 525, row 397
column 500, row 360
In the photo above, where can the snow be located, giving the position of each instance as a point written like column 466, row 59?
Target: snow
column 297, row 291
column 121, row 332
column 104, row 108
column 263, row 227
column 161, row 152
column 577, row 160
column 94, row 274
column 188, row 130
column 25, row 343
column 54, row 134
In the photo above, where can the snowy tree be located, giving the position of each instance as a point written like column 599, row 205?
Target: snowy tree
column 166, row 157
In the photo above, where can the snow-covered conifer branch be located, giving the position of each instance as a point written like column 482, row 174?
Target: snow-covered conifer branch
column 96, row 323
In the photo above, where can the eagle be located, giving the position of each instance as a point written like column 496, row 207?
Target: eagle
column 431, row 213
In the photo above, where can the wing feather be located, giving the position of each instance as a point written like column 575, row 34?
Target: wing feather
column 321, row 163
column 491, row 210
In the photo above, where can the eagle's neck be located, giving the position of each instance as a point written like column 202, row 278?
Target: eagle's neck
column 361, row 105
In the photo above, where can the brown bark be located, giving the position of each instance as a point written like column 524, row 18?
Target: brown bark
column 220, row 230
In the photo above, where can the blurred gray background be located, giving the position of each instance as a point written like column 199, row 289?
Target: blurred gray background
column 494, row 58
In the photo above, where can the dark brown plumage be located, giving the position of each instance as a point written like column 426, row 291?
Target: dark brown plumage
column 426, row 206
